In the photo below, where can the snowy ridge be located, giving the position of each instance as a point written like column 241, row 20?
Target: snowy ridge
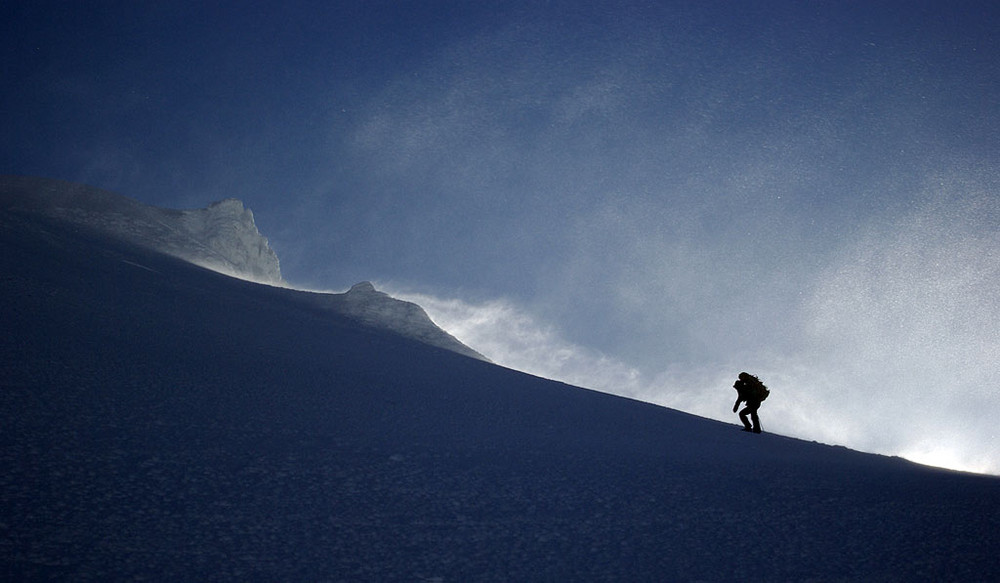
column 380, row 310
column 222, row 237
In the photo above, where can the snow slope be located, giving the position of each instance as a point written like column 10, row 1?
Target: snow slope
column 161, row 421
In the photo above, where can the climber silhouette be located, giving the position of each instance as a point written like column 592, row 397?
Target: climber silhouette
column 749, row 389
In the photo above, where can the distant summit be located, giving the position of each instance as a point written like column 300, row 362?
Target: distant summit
column 222, row 237
column 360, row 289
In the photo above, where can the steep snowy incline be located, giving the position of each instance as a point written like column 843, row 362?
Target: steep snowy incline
column 164, row 422
column 222, row 237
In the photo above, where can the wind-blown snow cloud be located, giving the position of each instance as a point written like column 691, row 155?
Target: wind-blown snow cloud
column 905, row 320
column 511, row 337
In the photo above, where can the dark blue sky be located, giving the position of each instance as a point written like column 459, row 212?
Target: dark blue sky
column 689, row 186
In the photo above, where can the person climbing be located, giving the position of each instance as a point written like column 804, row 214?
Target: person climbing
column 749, row 389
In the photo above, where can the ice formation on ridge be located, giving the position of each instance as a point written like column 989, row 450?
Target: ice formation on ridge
column 222, row 237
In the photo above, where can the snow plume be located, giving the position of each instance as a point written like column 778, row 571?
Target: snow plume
column 511, row 337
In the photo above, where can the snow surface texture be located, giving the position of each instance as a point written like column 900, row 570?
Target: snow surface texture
column 164, row 422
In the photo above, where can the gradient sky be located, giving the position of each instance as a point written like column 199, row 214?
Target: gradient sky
column 641, row 197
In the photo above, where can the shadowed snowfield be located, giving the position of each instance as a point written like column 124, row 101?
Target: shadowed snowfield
column 163, row 421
